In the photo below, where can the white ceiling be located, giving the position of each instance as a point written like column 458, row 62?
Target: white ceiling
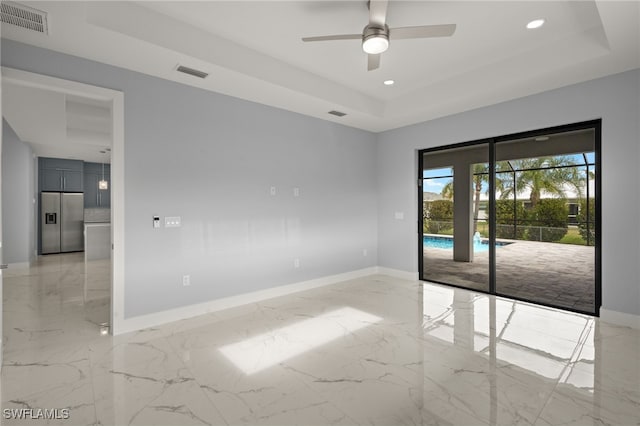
column 252, row 50
column 58, row 125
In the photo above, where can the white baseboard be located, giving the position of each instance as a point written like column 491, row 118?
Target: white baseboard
column 397, row 273
column 620, row 318
column 20, row 265
column 158, row 318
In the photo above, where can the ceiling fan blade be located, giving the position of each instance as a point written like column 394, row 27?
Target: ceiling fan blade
column 373, row 62
column 423, row 31
column 378, row 12
column 334, row 37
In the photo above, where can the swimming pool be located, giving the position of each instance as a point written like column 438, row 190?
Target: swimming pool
column 447, row 243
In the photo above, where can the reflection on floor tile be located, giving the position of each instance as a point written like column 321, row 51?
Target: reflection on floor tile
column 376, row 350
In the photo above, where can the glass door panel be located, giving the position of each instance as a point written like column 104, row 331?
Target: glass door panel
column 455, row 227
column 545, row 213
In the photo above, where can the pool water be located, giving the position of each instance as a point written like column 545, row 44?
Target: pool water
column 447, row 243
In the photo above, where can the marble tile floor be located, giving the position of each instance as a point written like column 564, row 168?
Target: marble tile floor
column 376, row 350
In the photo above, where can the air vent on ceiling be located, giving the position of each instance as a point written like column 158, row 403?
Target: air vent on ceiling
column 337, row 113
column 191, row 71
column 24, row 17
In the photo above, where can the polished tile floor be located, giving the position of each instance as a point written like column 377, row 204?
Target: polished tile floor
column 375, row 350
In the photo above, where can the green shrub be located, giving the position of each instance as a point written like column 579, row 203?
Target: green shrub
column 582, row 218
column 439, row 216
column 551, row 215
column 504, row 219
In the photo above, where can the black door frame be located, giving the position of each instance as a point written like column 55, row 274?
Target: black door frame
column 596, row 125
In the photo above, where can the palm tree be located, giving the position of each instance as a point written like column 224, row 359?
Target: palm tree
column 548, row 175
column 480, row 176
column 544, row 174
column 447, row 190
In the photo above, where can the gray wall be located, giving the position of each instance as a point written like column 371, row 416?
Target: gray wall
column 18, row 212
column 615, row 99
column 212, row 159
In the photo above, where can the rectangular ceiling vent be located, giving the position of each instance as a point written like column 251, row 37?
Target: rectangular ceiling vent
column 24, row 17
column 191, row 71
column 337, row 113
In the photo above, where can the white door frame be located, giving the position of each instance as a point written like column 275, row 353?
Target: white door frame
column 116, row 99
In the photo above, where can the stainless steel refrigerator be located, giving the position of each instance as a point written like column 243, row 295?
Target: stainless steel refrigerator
column 61, row 222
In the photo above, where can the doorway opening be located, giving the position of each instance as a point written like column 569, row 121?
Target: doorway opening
column 73, row 94
column 516, row 216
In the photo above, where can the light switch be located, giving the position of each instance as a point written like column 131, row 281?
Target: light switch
column 156, row 221
column 272, row 190
column 172, row 222
column 399, row 215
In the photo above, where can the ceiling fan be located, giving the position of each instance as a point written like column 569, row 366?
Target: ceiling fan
column 376, row 35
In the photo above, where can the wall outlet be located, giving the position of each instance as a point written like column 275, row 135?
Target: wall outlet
column 399, row 215
column 296, row 263
column 186, row 280
column 296, row 192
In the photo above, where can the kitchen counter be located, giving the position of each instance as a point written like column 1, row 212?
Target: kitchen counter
column 97, row 240
column 97, row 215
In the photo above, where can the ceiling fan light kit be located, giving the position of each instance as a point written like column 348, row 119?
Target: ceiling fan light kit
column 375, row 40
column 375, row 36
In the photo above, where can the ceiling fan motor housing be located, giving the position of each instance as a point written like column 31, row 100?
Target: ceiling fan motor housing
column 375, row 38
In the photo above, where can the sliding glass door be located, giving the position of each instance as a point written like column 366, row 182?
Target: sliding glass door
column 544, row 187
column 455, row 230
column 516, row 216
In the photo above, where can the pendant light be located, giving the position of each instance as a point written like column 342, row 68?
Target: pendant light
column 102, row 183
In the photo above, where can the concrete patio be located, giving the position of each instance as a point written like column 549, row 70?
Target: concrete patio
column 556, row 274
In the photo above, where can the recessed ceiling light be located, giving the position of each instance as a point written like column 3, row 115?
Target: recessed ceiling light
column 536, row 23
column 388, row 82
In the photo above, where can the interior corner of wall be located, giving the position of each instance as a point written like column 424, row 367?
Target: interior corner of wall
column 620, row 318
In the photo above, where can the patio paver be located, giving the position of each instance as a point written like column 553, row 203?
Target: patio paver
column 557, row 274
